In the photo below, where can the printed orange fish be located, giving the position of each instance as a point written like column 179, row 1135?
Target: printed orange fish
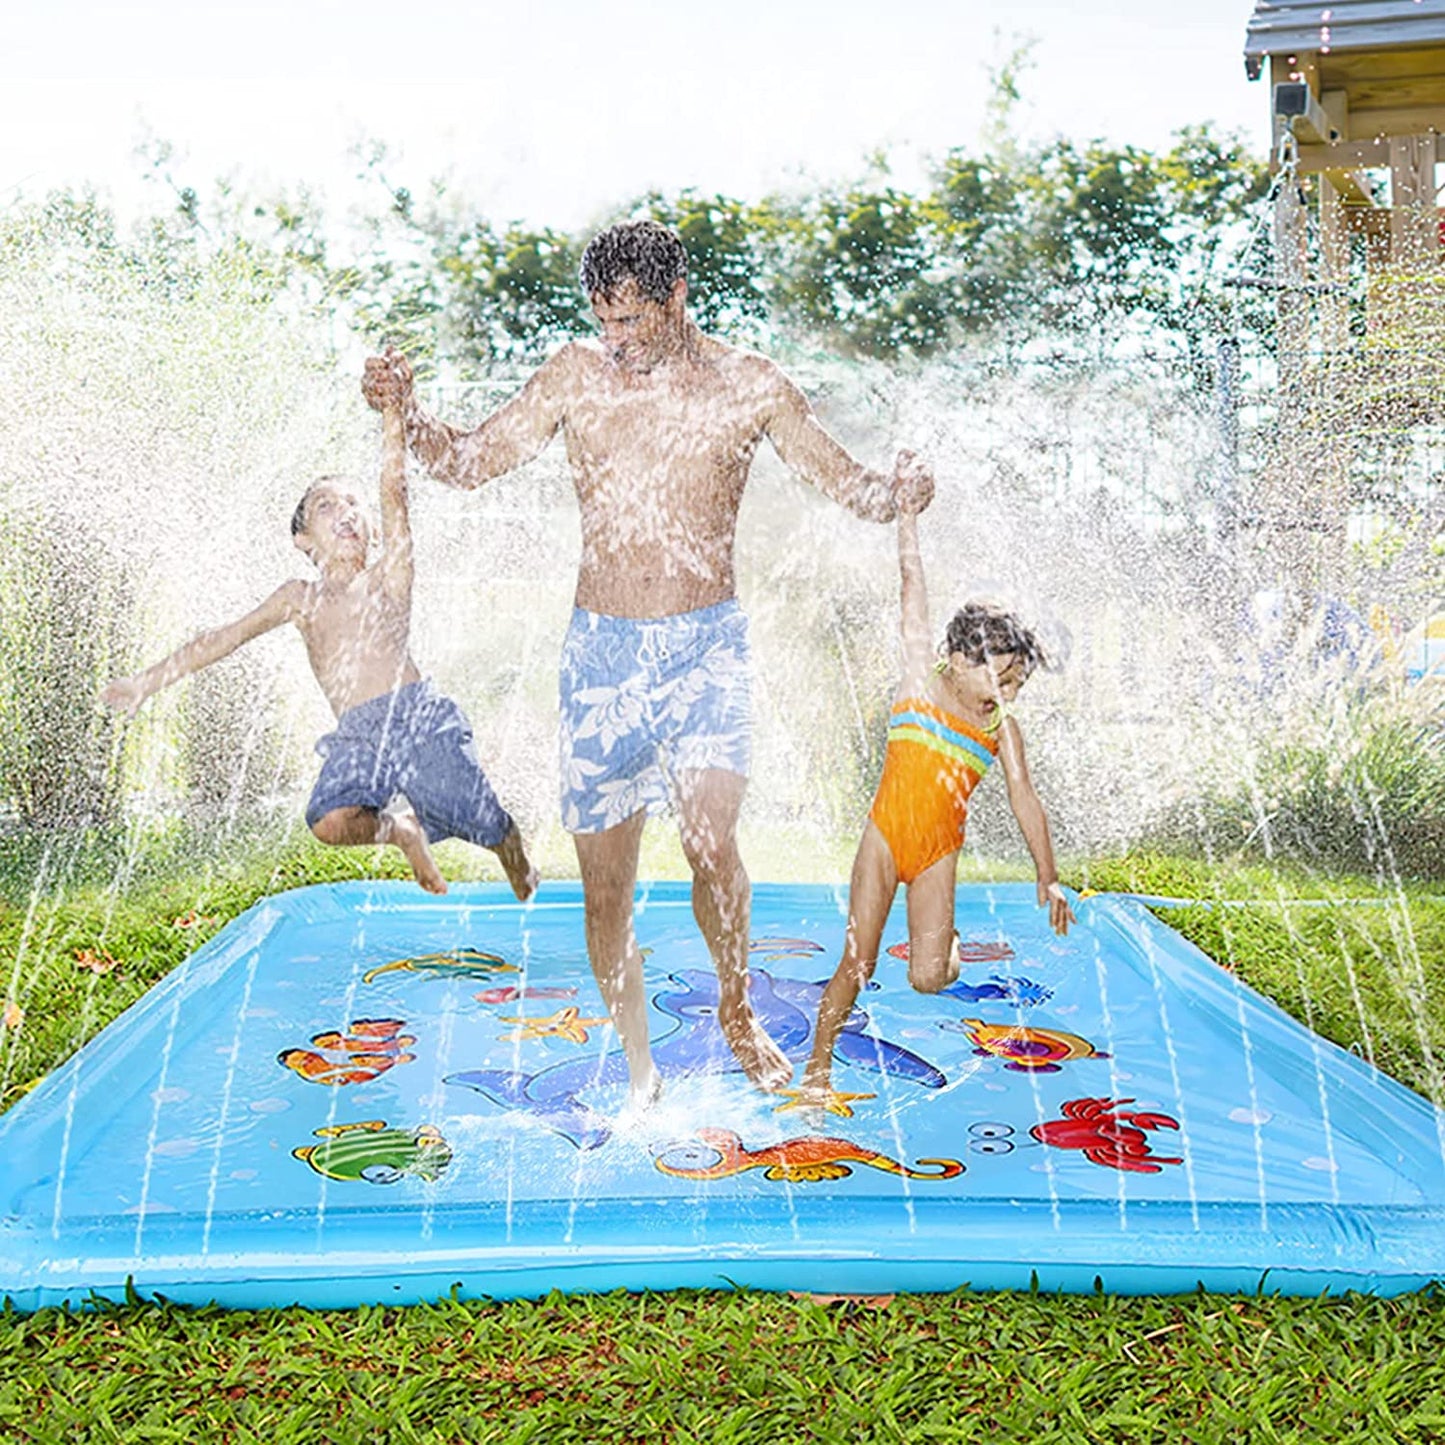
column 371, row 1048
column 1027, row 1050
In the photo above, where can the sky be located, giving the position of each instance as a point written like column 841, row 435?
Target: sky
column 553, row 111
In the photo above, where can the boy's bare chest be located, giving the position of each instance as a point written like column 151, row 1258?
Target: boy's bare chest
column 361, row 615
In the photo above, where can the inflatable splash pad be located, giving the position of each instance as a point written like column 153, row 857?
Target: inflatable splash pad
column 362, row 1093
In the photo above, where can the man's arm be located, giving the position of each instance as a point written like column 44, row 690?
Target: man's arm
column 1033, row 824
column 512, row 435
column 799, row 439
column 126, row 694
column 396, row 546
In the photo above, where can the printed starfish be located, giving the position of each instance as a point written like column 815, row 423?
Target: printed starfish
column 563, row 1024
column 833, row 1102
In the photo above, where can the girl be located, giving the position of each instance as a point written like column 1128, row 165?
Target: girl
column 949, row 722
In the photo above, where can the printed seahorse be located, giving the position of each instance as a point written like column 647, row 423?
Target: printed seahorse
column 805, row 1160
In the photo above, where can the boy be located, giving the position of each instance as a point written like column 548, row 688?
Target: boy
column 401, row 767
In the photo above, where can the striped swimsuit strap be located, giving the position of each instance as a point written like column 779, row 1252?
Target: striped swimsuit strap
column 916, row 720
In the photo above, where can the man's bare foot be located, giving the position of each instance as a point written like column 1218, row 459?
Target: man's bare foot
column 642, row 1096
column 765, row 1064
column 645, row 1092
column 517, row 866
column 399, row 826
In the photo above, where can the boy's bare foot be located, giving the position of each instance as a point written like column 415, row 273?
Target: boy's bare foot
column 765, row 1064
column 517, row 866
column 399, row 826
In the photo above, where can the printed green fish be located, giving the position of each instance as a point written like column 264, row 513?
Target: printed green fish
column 454, row 963
column 373, row 1152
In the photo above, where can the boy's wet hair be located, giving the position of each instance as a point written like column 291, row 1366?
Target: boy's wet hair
column 645, row 250
column 980, row 631
column 298, row 517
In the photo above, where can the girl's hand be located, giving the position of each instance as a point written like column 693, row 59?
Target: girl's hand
column 1052, row 897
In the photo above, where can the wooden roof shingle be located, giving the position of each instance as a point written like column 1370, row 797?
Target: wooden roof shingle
column 1279, row 27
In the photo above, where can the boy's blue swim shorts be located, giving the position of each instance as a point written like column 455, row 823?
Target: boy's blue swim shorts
column 414, row 741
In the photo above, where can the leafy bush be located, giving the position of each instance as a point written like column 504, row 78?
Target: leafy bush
column 1366, row 793
column 64, row 618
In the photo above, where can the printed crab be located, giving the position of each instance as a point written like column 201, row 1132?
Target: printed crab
column 1106, row 1135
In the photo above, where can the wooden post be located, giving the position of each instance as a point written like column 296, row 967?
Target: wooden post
column 1332, row 440
column 1283, row 509
column 1414, row 221
column 1334, row 270
column 1407, row 298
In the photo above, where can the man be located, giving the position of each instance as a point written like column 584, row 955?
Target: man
column 661, row 424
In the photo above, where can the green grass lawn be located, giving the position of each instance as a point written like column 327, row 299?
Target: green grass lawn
column 717, row 1366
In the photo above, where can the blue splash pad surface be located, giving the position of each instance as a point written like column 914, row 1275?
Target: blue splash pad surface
column 362, row 1093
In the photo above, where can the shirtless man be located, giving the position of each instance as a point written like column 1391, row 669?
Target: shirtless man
column 661, row 424
column 401, row 767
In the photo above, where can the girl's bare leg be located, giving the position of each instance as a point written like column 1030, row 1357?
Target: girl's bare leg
column 932, row 959
column 870, row 895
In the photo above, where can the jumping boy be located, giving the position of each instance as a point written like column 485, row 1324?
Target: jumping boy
column 949, row 722
column 401, row 767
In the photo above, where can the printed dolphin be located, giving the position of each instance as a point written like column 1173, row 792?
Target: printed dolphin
column 696, row 1046
column 855, row 1044
column 785, row 1007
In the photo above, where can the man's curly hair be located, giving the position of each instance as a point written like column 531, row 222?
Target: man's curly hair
column 645, row 250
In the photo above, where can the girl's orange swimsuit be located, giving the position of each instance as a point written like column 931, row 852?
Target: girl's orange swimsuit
column 934, row 761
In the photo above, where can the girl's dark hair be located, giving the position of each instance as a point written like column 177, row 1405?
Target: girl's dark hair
column 645, row 250
column 979, row 632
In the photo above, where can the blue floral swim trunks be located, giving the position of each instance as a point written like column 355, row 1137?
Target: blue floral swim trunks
column 644, row 698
